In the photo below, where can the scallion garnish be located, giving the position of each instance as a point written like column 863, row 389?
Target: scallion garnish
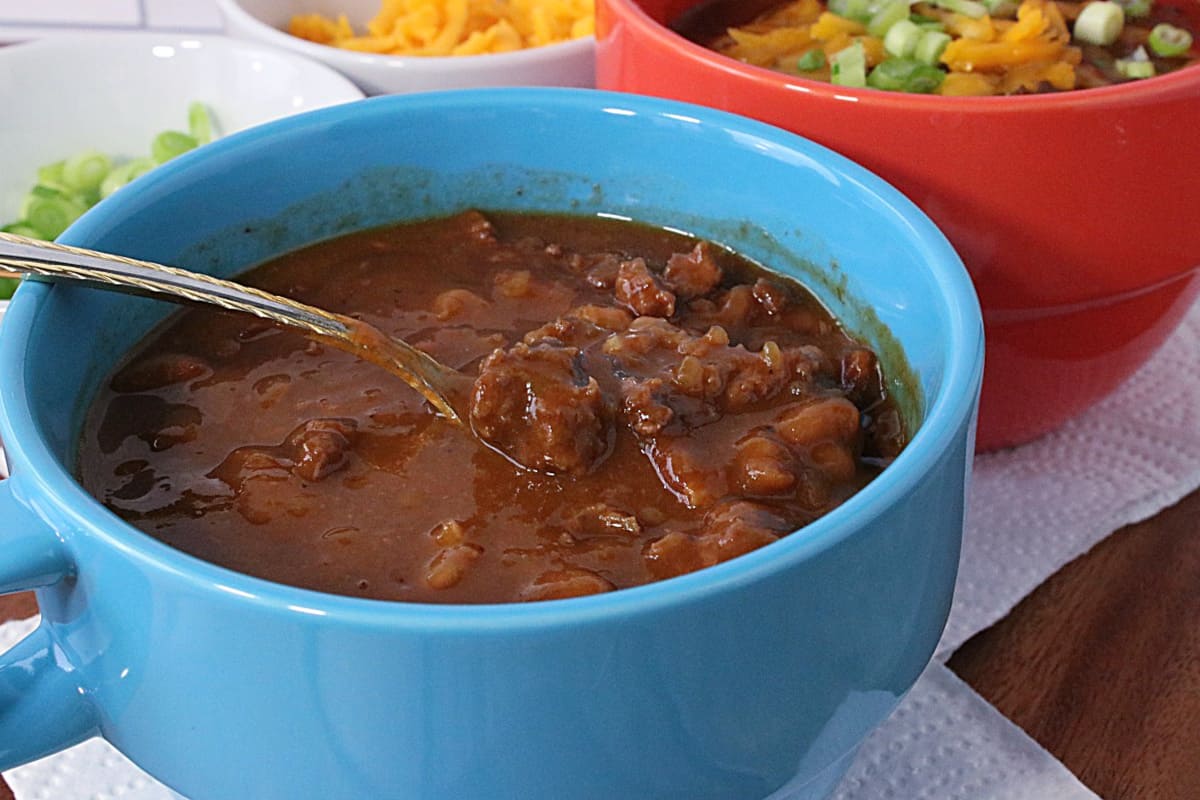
column 1132, row 68
column 927, row 23
column 811, row 61
column 1136, row 8
column 169, row 144
column 1000, row 8
column 930, row 46
column 83, row 172
column 968, row 8
column 849, row 66
column 887, row 15
column 67, row 188
column 859, row 10
column 1168, row 41
column 124, row 173
column 1100, row 22
column 905, row 75
column 901, row 39
column 200, row 125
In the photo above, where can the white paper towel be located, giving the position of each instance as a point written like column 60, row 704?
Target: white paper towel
column 945, row 742
column 1037, row 507
column 1032, row 509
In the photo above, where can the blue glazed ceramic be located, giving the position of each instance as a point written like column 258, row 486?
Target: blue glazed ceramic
column 758, row 676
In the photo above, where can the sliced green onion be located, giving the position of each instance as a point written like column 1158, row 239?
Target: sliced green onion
column 85, row 171
column 888, row 14
column 169, row 144
column 67, row 188
column 905, row 75
column 859, row 10
column 930, row 46
column 1168, row 41
column 901, row 39
column 927, row 23
column 200, row 124
column 51, row 174
column 1100, row 22
column 968, row 8
column 126, row 172
column 849, row 66
column 1000, row 8
column 1137, row 65
column 812, row 60
column 1132, row 68
column 22, row 229
column 49, row 211
column 1136, row 8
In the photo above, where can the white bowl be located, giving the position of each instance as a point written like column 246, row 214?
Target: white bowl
column 566, row 64
column 115, row 92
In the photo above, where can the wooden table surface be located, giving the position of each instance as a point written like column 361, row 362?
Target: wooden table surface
column 1101, row 664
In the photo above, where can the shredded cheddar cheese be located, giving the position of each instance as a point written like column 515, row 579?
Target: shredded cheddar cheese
column 1012, row 55
column 453, row 27
column 986, row 55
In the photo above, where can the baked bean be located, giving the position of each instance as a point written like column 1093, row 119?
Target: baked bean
column 568, row 582
column 514, row 282
column 835, row 460
column 675, row 553
column 454, row 303
column 450, row 565
column 737, row 527
column 763, row 467
column 827, row 419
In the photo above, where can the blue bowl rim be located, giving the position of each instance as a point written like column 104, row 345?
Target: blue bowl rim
column 947, row 413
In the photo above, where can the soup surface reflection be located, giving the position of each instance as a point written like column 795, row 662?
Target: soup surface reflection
column 678, row 405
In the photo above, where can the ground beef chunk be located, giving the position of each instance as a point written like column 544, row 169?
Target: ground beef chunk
column 582, row 326
column 860, row 377
column 600, row 270
column 536, row 404
column 641, row 291
column 694, row 273
column 771, row 297
column 730, row 529
column 311, row 452
column 320, row 447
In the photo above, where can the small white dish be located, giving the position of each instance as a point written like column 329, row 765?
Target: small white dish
column 115, row 92
column 565, row 64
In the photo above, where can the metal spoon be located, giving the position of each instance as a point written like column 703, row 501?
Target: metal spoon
column 49, row 261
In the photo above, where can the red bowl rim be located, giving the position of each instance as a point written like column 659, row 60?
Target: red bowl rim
column 1135, row 92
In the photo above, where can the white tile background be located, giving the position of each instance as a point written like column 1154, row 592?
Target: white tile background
column 30, row 19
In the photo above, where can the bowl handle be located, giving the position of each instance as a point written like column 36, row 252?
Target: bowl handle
column 43, row 708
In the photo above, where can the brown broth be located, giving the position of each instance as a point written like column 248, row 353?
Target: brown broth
column 704, row 433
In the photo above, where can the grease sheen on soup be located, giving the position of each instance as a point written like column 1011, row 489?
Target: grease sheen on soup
column 674, row 404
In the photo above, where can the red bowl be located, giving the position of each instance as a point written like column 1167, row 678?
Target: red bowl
column 1077, row 213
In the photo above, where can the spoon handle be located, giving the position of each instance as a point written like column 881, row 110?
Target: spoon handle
column 50, row 261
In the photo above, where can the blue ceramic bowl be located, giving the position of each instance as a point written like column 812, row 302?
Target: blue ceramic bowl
column 756, row 676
